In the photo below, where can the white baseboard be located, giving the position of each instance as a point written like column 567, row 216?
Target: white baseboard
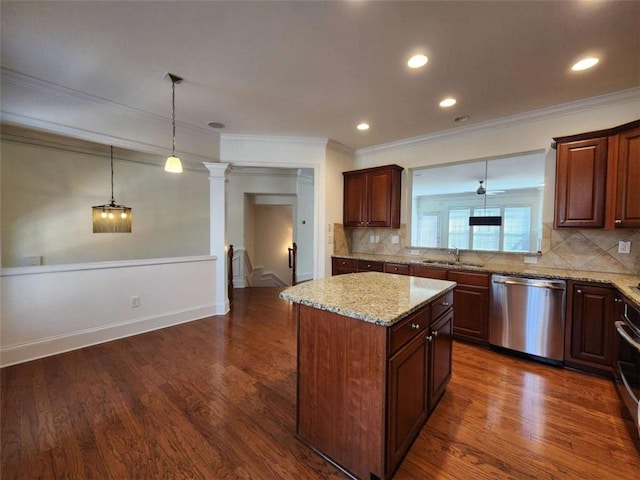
column 24, row 352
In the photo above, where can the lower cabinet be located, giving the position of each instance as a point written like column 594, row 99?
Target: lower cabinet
column 408, row 407
column 590, row 330
column 418, row 376
column 340, row 266
column 471, row 300
column 439, row 358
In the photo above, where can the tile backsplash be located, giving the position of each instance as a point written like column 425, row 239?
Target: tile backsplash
column 579, row 249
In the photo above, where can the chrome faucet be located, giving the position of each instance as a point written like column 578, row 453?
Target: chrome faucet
column 455, row 254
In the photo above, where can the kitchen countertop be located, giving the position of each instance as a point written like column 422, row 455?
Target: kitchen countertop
column 626, row 284
column 374, row 297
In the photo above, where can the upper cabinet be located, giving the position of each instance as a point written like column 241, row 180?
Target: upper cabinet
column 372, row 197
column 598, row 179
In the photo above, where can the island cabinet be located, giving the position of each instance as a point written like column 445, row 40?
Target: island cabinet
column 598, row 179
column 366, row 389
column 372, row 197
column 590, row 330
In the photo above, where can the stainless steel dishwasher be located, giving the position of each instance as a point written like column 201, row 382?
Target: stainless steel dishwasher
column 527, row 316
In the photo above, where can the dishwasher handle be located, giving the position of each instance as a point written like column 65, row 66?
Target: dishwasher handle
column 530, row 283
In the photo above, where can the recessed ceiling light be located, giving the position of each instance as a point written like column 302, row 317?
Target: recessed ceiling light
column 461, row 119
column 363, row 126
column 585, row 64
column 216, row 125
column 417, row 61
column 448, row 102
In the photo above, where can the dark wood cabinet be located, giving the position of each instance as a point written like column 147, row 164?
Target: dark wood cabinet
column 340, row 266
column 581, row 180
column 598, row 179
column 628, row 181
column 471, row 300
column 439, row 363
column 365, row 390
column 370, row 266
column 590, row 330
column 372, row 197
column 419, row 373
column 408, row 407
column 428, row 272
column 397, row 268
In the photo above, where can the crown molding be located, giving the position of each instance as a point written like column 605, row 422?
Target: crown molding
column 30, row 83
column 621, row 97
column 340, row 148
column 313, row 141
column 89, row 136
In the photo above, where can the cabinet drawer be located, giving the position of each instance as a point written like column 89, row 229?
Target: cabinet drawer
column 406, row 329
column 397, row 268
column 369, row 266
column 441, row 305
column 344, row 262
column 470, row 278
column 429, row 272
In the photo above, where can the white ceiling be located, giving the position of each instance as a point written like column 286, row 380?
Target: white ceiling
column 316, row 69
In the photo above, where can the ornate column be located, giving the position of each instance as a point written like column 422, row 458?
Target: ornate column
column 218, row 230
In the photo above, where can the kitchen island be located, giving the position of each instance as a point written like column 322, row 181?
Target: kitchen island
column 374, row 358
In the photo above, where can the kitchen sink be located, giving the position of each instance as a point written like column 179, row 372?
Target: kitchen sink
column 452, row 263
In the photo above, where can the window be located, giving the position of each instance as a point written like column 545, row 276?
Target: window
column 428, row 229
column 443, row 198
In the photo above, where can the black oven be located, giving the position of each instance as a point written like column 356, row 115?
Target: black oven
column 627, row 361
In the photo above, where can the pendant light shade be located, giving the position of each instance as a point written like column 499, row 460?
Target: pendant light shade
column 173, row 163
column 110, row 217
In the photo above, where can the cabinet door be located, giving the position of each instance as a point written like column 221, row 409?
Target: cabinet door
column 354, row 209
column 379, row 198
column 628, row 188
column 407, row 398
column 581, row 177
column 592, row 328
column 440, row 348
column 471, row 313
column 340, row 266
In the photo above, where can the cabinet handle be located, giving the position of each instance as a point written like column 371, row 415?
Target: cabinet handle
column 618, row 222
column 429, row 338
column 434, row 333
column 617, row 300
column 415, row 326
column 445, row 304
column 578, row 291
column 368, row 265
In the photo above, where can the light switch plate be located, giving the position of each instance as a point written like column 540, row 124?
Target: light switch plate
column 395, row 239
column 624, row 246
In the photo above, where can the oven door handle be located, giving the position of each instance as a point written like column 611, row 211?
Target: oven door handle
column 623, row 333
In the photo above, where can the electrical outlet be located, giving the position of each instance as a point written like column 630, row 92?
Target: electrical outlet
column 134, row 301
column 624, row 246
column 415, row 252
column 377, row 238
column 531, row 260
column 372, row 239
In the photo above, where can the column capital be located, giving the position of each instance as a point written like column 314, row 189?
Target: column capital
column 217, row 170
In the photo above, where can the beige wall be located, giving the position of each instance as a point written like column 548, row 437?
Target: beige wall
column 273, row 235
column 47, row 194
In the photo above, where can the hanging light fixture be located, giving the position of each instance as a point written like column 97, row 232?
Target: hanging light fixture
column 111, row 218
column 484, row 220
column 173, row 163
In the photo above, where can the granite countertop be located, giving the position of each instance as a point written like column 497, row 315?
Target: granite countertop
column 374, row 297
column 626, row 284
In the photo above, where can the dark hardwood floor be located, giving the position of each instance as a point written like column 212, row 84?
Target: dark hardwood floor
column 215, row 399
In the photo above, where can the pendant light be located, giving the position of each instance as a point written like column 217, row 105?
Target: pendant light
column 110, row 217
column 484, row 220
column 173, row 163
